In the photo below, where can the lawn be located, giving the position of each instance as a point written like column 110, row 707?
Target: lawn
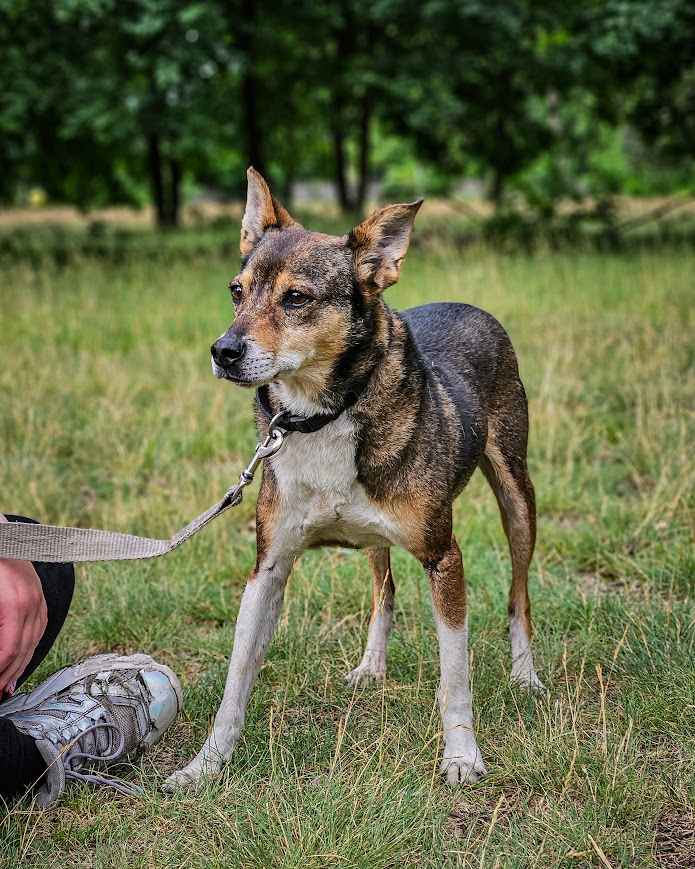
column 110, row 417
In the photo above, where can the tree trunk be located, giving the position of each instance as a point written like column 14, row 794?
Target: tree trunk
column 249, row 99
column 249, row 83
column 290, row 167
column 363, row 156
column 174, row 204
column 154, row 167
column 345, row 46
column 165, row 183
column 497, row 187
column 339, row 155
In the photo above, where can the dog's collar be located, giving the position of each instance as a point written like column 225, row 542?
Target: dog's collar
column 304, row 424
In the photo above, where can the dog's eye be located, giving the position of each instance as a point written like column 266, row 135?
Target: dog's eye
column 295, row 299
column 236, row 293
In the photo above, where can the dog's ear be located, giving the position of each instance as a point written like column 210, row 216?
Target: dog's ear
column 379, row 244
column 262, row 211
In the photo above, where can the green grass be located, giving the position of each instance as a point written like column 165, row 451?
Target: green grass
column 110, row 418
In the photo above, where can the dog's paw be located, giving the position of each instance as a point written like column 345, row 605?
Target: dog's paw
column 463, row 770
column 188, row 778
column 360, row 674
column 529, row 681
column 372, row 666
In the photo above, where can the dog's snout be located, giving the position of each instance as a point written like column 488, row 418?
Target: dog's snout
column 228, row 350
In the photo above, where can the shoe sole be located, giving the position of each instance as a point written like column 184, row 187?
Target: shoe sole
column 89, row 667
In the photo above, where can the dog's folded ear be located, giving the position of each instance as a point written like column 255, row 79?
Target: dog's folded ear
column 379, row 245
column 262, row 212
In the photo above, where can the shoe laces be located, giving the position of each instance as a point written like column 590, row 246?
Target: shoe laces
column 74, row 760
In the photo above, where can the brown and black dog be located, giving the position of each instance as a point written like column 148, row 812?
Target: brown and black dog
column 392, row 412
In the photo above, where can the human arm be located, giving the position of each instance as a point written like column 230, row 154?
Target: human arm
column 23, row 618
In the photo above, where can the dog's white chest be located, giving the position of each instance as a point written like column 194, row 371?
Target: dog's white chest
column 322, row 500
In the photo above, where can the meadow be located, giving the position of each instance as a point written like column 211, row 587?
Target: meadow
column 110, row 417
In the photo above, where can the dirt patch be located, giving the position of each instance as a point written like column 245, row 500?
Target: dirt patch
column 674, row 840
column 601, row 583
column 478, row 817
column 170, row 753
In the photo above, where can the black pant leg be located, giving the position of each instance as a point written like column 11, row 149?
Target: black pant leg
column 21, row 764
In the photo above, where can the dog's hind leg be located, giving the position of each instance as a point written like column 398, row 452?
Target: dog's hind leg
column 462, row 762
column 504, row 465
column 373, row 661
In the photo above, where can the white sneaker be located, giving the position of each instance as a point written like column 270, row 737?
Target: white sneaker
column 94, row 714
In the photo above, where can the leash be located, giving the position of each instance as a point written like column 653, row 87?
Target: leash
column 24, row 541
column 28, row 542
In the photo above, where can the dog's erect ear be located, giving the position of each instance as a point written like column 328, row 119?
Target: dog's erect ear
column 262, row 211
column 379, row 244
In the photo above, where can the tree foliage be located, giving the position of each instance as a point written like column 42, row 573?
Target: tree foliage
column 132, row 100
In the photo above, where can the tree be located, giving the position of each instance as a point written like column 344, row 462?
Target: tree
column 476, row 84
column 108, row 93
column 130, row 100
column 362, row 56
column 315, row 65
column 45, row 75
column 154, row 62
column 641, row 64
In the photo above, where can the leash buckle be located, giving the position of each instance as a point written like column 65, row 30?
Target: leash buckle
column 264, row 450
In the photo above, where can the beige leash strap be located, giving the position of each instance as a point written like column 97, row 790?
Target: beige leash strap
column 28, row 542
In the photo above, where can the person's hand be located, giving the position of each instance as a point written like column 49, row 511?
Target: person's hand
column 23, row 618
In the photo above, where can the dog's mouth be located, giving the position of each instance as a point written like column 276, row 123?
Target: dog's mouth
column 258, row 375
column 237, row 379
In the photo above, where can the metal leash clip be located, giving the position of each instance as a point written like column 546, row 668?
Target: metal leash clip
column 264, row 450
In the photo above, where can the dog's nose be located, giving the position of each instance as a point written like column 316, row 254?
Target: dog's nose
column 228, row 350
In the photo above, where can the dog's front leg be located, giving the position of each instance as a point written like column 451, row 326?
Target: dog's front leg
column 258, row 616
column 462, row 761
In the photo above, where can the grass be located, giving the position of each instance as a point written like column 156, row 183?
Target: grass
column 111, row 418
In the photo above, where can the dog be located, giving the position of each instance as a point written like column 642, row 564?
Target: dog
column 390, row 415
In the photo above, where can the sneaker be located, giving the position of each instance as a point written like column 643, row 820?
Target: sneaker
column 94, row 714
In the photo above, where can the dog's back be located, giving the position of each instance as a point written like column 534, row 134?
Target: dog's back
column 467, row 347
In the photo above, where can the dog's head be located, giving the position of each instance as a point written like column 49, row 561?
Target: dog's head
column 303, row 299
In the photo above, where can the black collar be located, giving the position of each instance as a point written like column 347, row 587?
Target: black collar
column 304, row 424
